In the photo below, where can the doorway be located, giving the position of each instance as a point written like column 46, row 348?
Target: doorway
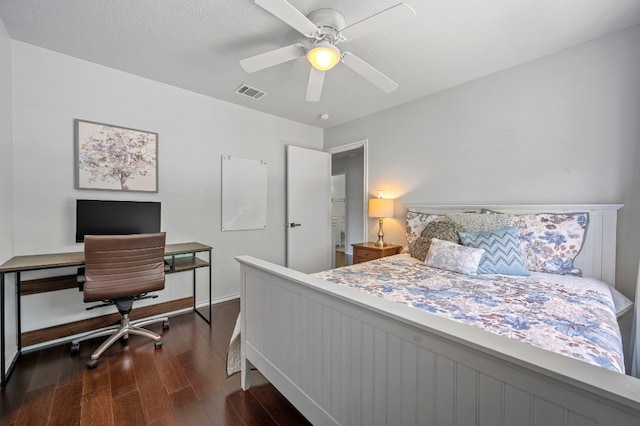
column 339, row 218
column 348, row 220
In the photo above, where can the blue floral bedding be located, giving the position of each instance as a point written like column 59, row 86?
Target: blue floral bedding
column 572, row 316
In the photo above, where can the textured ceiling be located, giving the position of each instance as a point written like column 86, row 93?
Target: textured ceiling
column 196, row 44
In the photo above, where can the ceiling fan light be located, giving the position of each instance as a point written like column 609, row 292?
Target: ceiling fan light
column 323, row 56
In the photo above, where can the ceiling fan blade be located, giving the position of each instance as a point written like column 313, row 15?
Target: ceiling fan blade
column 272, row 58
column 284, row 11
column 314, row 87
column 395, row 15
column 378, row 79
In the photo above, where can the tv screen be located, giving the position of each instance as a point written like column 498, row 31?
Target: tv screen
column 95, row 217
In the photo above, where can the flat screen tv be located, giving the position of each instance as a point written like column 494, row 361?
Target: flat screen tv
column 96, row 217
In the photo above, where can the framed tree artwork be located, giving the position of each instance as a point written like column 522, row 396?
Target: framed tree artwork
column 115, row 158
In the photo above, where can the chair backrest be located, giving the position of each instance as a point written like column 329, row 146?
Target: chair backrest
column 120, row 266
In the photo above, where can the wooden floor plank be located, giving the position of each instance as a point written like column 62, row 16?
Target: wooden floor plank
column 184, row 382
column 127, row 410
column 166, row 421
column 96, row 378
column 47, row 367
column 121, row 373
column 250, row 409
column 155, row 399
column 97, row 407
column 171, row 374
column 187, row 407
column 37, row 406
column 203, row 380
column 67, row 402
column 12, row 397
column 71, row 367
column 221, row 411
column 276, row 405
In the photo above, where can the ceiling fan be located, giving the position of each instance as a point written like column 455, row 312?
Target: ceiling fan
column 325, row 28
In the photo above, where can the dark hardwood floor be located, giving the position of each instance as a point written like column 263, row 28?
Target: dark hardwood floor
column 184, row 383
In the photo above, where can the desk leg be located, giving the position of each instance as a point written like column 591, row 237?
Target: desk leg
column 208, row 320
column 18, row 314
column 7, row 370
column 3, row 381
column 210, row 317
column 194, row 292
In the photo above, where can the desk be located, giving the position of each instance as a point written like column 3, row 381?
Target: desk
column 179, row 257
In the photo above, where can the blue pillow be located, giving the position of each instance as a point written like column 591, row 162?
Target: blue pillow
column 501, row 251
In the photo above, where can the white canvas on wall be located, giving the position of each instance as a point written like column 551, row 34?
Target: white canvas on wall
column 244, row 194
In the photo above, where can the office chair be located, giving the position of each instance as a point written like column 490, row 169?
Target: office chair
column 118, row 270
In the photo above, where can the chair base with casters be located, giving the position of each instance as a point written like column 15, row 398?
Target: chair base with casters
column 122, row 330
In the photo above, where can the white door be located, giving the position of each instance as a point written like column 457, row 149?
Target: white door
column 308, row 209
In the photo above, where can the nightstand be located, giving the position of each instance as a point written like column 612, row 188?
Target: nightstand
column 363, row 252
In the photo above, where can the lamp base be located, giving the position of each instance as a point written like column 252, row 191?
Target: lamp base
column 380, row 242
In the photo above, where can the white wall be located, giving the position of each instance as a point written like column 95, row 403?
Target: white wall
column 6, row 147
column 561, row 129
column 6, row 180
column 51, row 89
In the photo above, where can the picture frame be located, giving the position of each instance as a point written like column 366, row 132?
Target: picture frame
column 115, row 158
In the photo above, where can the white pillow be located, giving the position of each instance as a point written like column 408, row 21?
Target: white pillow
column 453, row 257
column 620, row 301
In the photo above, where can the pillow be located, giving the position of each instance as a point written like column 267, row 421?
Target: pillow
column 550, row 242
column 502, row 253
column 415, row 223
column 453, row 257
column 489, row 211
column 446, row 231
column 620, row 301
column 478, row 222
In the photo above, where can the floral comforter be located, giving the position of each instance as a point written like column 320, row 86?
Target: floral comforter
column 567, row 315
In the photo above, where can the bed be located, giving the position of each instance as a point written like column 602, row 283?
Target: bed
column 343, row 355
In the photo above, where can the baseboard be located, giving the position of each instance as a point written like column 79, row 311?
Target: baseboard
column 65, row 331
column 217, row 300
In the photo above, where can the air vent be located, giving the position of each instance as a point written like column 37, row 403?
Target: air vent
column 250, row 92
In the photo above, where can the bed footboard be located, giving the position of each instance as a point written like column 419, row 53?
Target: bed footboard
column 345, row 357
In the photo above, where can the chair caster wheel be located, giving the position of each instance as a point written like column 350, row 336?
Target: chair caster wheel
column 165, row 324
column 75, row 348
column 158, row 344
column 92, row 363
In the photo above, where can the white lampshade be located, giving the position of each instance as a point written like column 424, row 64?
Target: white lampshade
column 324, row 56
column 380, row 207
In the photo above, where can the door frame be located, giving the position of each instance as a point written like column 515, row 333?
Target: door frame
column 364, row 144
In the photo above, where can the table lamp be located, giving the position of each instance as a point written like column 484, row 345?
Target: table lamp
column 380, row 208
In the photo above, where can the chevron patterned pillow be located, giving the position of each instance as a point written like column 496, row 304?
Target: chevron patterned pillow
column 502, row 253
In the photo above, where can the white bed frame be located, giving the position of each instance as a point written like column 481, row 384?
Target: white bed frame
column 342, row 356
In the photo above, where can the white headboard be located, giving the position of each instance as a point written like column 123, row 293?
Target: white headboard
column 597, row 259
